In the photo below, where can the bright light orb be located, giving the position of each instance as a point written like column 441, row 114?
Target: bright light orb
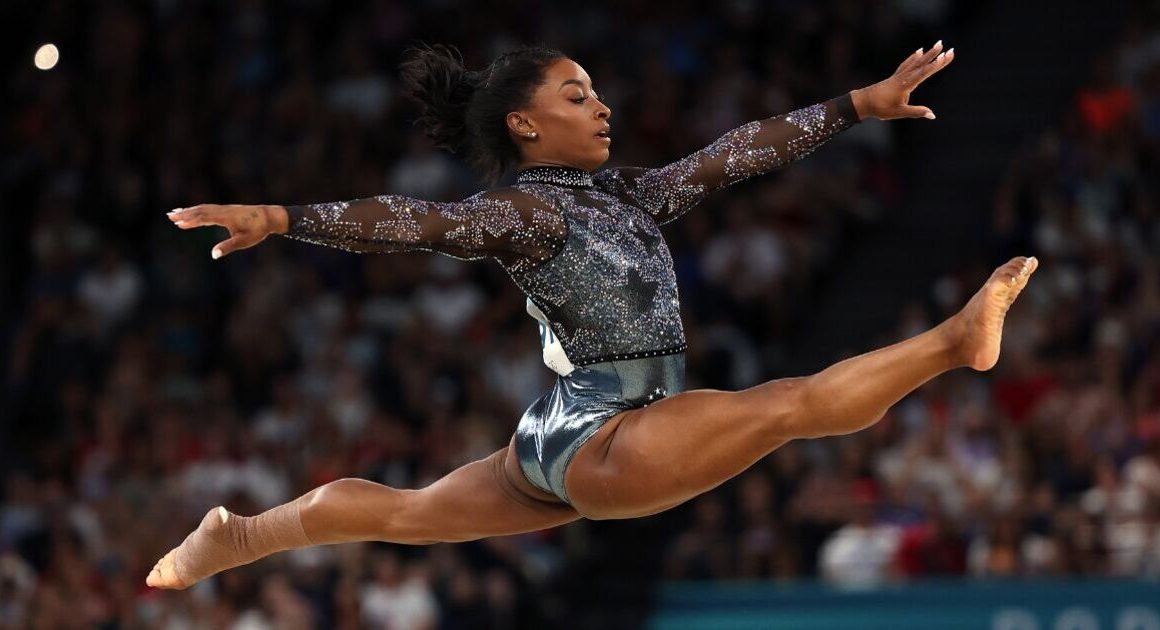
column 46, row 57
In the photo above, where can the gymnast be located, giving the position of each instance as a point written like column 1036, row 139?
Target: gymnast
column 617, row 436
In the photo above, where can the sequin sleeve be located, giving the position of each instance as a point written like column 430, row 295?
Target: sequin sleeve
column 505, row 224
column 751, row 149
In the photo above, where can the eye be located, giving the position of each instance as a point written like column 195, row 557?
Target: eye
column 578, row 100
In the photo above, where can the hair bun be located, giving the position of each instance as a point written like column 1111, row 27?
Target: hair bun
column 435, row 77
column 466, row 111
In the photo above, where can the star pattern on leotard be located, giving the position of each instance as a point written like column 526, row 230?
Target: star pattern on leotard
column 743, row 155
column 622, row 247
column 811, row 120
column 589, row 253
column 751, row 149
column 474, row 225
column 404, row 224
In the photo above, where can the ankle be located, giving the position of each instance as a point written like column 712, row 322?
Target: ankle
column 951, row 335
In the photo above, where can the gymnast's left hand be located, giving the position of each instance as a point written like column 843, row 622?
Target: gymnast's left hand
column 890, row 98
column 248, row 225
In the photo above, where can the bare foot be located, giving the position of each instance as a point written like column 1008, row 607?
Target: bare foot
column 980, row 324
column 164, row 575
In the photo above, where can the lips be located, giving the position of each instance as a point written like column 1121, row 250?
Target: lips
column 604, row 133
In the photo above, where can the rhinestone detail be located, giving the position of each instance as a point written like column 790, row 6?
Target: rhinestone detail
column 558, row 175
column 586, row 249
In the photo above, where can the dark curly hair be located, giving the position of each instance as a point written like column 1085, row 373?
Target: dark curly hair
column 465, row 110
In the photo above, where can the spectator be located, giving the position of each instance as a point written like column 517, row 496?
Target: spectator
column 861, row 553
column 400, row 597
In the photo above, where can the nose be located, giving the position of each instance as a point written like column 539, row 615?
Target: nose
column 603, row 112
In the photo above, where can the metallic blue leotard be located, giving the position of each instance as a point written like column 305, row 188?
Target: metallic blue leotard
column 587, row 251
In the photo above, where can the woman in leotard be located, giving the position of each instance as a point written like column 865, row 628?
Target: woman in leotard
column 616, row 437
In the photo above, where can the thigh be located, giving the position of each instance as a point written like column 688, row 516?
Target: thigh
column 479, row 500
column 647, row 460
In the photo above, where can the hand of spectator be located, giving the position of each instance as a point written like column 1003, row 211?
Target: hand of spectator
column 248, row 225
column 890, row 98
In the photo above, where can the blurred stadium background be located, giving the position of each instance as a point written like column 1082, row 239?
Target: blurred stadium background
column 144, row 382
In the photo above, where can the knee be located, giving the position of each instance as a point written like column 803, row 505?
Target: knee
column 360, row 510
column 343, row 492
column 782, row 408
column 797, row 408
column 816, row 414
column 354, row 509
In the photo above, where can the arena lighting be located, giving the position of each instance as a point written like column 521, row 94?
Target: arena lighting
column 46, row 57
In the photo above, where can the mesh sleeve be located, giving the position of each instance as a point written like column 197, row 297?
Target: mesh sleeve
column 505, row 224
column 751, row 149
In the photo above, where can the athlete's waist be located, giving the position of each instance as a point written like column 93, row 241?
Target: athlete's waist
column 645, row 379
column 678, row 348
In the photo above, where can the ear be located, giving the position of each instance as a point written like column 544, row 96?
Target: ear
column 520, row 125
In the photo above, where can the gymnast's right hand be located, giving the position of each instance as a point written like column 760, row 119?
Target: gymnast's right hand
column 248, row 225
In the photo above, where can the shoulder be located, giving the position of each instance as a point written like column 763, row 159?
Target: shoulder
column 519, row 194
column 529, row 202
column 519, row 198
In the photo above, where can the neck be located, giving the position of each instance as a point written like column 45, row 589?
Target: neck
column 526, row 164
column 534, row 164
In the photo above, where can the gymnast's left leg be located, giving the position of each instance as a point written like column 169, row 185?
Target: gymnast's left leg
column 489, row 497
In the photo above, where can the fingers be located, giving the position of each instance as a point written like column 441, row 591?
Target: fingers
column 910, row 62
column 925, row 70
column 934, row 51
column 196, row 216
column 916, row 111
column 245, row 224
column 941, row 61
column 921, row 69
column 230, row 245
column 919, row 58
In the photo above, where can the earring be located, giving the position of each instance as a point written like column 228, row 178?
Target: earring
column 533, row 134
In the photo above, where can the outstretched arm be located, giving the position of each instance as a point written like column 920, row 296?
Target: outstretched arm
column 763, row 145
column 505, row 224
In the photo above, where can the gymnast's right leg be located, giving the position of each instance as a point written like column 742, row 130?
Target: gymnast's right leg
column 646, row 460
column 489, row 497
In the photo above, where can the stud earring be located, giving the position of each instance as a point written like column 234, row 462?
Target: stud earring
column 533, row 134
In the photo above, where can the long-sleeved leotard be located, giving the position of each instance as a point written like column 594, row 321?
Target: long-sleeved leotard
column 585, row 248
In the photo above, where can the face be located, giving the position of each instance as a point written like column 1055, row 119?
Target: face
column 566, row 124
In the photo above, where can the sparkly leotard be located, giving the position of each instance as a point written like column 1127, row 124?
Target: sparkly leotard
column 586, row 249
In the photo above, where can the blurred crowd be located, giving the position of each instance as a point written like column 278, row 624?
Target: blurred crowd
column 145, row 383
